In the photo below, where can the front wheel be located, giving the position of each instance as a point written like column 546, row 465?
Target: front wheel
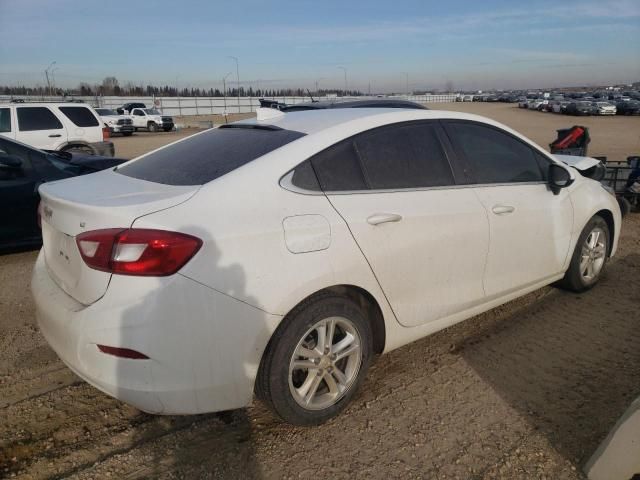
column 152, row 127
column 589, row 257
column 316, row 360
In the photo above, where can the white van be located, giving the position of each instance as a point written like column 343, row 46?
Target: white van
column 56, row 126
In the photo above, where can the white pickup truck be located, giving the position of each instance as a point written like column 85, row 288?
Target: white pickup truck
column 151, row 119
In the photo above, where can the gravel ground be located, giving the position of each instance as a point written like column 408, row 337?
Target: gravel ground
column 524, row 391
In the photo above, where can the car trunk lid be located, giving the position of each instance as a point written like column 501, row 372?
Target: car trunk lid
column 102, row 200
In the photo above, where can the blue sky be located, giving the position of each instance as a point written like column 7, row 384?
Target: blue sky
column 473, row 44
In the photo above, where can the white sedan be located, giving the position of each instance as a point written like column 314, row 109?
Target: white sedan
column 279, row 255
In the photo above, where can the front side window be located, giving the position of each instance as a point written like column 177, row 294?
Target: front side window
column 494, row 156
column 80, row 116
column 37, row 118
column 5, row 120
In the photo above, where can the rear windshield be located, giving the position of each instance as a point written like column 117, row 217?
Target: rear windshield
column 209, row 155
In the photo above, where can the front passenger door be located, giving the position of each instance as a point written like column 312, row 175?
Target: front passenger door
column 530, row 227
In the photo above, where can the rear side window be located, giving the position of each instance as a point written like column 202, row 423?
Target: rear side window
column 338, row 168
column 494, row 156
column 5, row 120
column 209, row 155
column 80, row 116
column 37, row 118
column 404, row 156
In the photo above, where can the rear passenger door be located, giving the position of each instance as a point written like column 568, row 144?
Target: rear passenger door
column 530, row 227
column 40, row 128
column 425, row 239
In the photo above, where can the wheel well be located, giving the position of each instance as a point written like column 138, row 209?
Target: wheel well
column 75, row 143
column 607, row 216
column 368, row 303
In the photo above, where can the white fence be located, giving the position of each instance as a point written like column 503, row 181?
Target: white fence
column 186, row 106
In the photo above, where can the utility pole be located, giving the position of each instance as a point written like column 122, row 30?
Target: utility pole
column 407, row 84
column 53, row 77
column 345, row 79
column 224, row 94
column 46, row 74
column 238, row 78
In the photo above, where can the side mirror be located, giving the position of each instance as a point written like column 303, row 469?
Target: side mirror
column 10, row 161
column 559, row 178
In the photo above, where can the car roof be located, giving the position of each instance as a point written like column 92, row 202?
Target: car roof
column 357, row 103
column 40, row 104
column 313, row 121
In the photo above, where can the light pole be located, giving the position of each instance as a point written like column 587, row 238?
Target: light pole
column 237, row 77
column 345, row 79
column 407, row 84
column 46, row 74
column 53, row 77
column 317, row 89
column 224, row 92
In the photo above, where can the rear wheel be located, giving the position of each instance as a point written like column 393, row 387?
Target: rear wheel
column 316, row 360
column 152, row 127
column 589, row 257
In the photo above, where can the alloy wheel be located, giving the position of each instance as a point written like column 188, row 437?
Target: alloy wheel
column 593, row 254
column 325, row 363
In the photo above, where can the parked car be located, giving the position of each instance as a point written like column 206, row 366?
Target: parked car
column 116, row 123
column 166, row 285
column 340, row 103
column 467, row 98
column 56, row 126
column 151, row 119
column 534, row 103
column 560, row 107
column 523, row 102
column 629, row 107
column 128, row 107
column 579, row 108
column 603, row 108
column 22, row 170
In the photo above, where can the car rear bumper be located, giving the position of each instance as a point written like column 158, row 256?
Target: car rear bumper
column 121, row 128
column 204, row 347
column 106, row 149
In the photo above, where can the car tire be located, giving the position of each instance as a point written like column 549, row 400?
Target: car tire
column 306, row 386
column 152, row 127
column 589, row 257
column 79, row 148
column 625, row 206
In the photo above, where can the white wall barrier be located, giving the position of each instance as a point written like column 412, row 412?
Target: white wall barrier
column 187, row 106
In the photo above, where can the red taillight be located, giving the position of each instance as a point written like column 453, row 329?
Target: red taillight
column 122, row 352
column 105, row 134
column 137, row 251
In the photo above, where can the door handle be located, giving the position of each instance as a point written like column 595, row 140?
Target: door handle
column 502, row 209
column 378, row 218
column 54, row 135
